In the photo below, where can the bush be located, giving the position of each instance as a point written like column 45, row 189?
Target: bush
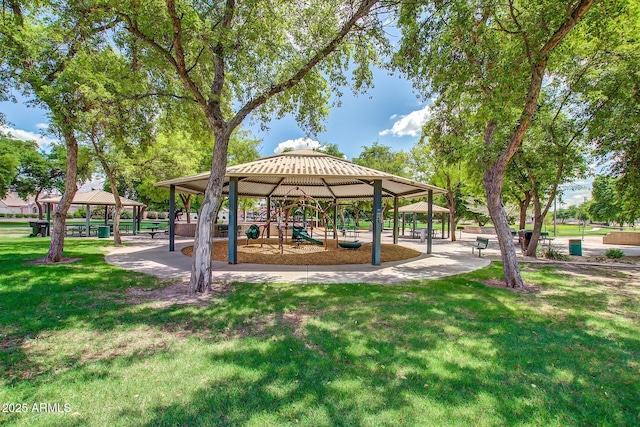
column 19, row 215
column 80, row 213
column 33, row 215
column 555, row 254
column 2, row 214
column 152, row 215
column 98, row 212
column 614, row 253
column 126, row 215
column 162, row 215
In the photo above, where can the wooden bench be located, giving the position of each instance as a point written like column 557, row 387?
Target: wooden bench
column 480, row 244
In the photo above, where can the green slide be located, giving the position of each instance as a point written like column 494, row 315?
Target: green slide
column 301, row 233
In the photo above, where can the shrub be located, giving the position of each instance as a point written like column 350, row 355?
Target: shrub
column 98, row 212
column 126, row 215
column 162, row 215
column 614, row 253
column 2, row 214
column 152, row 215
column 33, row 215
column 555, row 254
column 19, row 215
column 80, row 213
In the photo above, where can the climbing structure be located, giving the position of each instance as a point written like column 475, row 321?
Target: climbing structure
column 291, row 214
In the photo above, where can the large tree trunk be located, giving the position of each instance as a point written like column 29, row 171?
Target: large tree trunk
column 494, row 174
column 56, row 247
column 117, row 239
column 537, row 228
column 524, row 205
column 39, row 205
column 493, row 180
column 493, row 186
column 453, row 225
column 451, row 202
column 540, row 213
column 203, row 243
column 186, row 201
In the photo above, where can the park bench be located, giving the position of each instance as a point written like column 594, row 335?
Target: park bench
column 544, row 236
column 153, row 230
column 480, row 244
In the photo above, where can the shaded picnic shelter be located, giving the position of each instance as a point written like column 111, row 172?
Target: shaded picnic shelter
column 423, row 208
column 98, row 198
column 316, row 175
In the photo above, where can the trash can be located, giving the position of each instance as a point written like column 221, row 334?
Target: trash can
column 39, row 228
column 525, row 237
column 104, row 231
column 423, row 235
column 575, row 247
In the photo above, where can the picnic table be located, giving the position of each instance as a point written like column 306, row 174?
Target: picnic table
column 80, row 230
column 153, row 229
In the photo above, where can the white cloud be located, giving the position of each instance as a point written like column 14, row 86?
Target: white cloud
column 96, row 183
column 42, row 126
column 24, row 135
column 298, row 144
column 409, row 125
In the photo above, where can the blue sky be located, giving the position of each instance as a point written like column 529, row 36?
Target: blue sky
column 390, row 113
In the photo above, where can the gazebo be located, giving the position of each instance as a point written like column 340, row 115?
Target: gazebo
column 317, row 175
column 96, row 198
column 422, row 207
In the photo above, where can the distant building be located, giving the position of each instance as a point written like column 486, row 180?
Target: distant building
column 13, row 204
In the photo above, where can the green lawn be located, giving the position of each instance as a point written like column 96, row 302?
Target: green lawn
column 451, row 352
column 20, row 227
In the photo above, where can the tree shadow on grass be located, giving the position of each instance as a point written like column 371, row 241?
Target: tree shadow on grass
column 442, row 353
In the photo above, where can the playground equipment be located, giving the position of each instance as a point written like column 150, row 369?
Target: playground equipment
column 253, row 232
column 283, row 217
column 348, row 230
column 300, row 233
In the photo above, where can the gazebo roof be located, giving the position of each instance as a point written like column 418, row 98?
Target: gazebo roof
column 95, row 197
column 422, row 207
column 317, row 174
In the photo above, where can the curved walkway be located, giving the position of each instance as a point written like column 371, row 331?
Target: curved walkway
column 153, row 257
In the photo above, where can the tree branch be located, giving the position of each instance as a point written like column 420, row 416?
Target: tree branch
column 133, row 29
column 363, row 10
column 537, row 73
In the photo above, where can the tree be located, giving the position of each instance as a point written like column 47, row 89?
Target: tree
column 441, row 156
column 41, row 43
column 612, row 201
column 612, row 95
column 496, row 56
column 332, row 150
column 36, row 174
column 554, row 149
column 9, row 163
column 380, row 157
column 234, row 59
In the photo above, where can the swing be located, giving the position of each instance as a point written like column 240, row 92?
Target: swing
column 354, row 244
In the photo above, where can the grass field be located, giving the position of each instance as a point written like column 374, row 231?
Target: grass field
column 451, row 352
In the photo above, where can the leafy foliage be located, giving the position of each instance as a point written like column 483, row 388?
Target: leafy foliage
column 614, row 253
column 9, row 163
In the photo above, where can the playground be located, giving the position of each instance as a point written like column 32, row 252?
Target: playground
column 271, row 252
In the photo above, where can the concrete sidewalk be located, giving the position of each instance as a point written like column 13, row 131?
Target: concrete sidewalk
column 152, row 256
